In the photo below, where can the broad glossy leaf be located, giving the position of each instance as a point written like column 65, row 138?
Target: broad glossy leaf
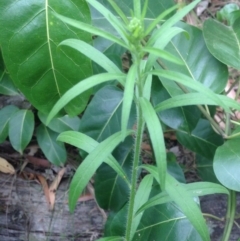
column 223, row 41
column 182, row 118
column 204, row 168
column 54, row 151
column 200, row 65
column 226, row 164
column 61, row 124
column 89, row 166
column 203, row 140
column 6, row 114
column 6, row 85
column 174, row 168
column 227, row 13
column 21, row 126
column 102, row 117
column 29, row 44
column 116, row 222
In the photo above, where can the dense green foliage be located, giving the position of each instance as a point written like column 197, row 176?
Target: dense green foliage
column 175, row 80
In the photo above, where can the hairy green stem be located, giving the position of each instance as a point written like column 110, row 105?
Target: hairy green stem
column 231, row 209
column 137, row 152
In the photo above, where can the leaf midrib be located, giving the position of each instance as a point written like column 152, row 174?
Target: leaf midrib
column 49, row 46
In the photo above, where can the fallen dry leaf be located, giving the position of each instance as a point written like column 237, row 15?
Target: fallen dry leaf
column 53, row 187
column 6, row 167
column 44, row 183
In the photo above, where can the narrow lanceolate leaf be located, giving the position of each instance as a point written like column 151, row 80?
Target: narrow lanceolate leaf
column 162, row 54
column 194, row 189
column 91, row 29
column 29, row 45
column 80, row 88
column 54, row 151
column 128, row 97
column 147, row 87
column 21, row 126
column 189, row 82
column 6, row 114
column 89, row 166
column 188, row 206
column 154, row 8
column 160, row 18
column 162, row 42
column 194, row 99
column 171, row 21
column 113, row 20
column 166, row 221
column 157, row 139
column 88, row 144
column 141, row 197
column 223, row 41
column 94, row 54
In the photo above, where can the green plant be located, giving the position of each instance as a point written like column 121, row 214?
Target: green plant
column 158, row 185
column 174, row 82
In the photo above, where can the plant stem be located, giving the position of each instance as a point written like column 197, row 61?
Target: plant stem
column 212, row 121
column 231, row 209
column 137, row 152
column 213, row 217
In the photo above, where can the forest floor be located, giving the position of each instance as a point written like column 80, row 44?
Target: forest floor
column 32, row 209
